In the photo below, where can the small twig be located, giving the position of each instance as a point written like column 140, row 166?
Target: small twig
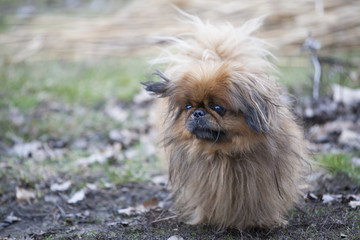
column 62, row 212
column 166, row 218
column 326, row 219
column 161, row 214
column 33, row 215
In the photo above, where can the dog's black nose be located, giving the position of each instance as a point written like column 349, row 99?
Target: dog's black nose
column 198, row 113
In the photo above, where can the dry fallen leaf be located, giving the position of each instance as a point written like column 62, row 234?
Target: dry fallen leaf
column 327, row 198
column 142, row 208
column 350, row 137
column 24, row 195
column 354, row 204
column 355, row 161
column 160, row 180
column 311, row 197
column 26, row 150
column 60, row 187
column 175, row 237
column 100, row 156
column 132, row 210
column 78, row 196
column 91, row 186
column 346, row 95
column 116, row 112
column 12, row 218
column 124, row 136
column 151, row 203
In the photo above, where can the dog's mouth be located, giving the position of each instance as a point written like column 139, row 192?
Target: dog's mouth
column 203, row 129
column 208, row 134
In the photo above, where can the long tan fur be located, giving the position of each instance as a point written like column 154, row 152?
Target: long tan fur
column 248, row 174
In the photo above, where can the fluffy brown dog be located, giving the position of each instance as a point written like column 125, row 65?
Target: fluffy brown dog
column 236, row 155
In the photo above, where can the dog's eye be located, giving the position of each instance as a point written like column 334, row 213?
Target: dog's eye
column 188, row 106
column 219, row 109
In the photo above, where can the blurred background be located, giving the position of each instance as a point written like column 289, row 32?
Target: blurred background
column 72, row 109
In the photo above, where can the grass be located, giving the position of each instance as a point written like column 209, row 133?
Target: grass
column 295, row 79
column 29, row 172
column 26, row 84
column 83, row 117
column 78, row 87
column 81, row 89
column 65, row 100
column 340, row 162
column 296, row 75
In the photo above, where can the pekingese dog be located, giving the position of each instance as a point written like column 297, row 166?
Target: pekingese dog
column 236, row 155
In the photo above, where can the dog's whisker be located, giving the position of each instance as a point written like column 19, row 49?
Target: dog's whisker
column 218, row 133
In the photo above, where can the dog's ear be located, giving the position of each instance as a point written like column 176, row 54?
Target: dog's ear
column 256, row 114
column 158, row 88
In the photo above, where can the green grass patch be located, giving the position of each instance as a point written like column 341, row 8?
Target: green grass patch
column 297, row 74
column 340, row 162
column 295, row 79
column 76, row 92
column 135, row 169
column 44, row 124
column 3, row 23
column 65, row 100
column 25, row 85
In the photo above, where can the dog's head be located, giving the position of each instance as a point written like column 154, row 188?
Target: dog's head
column 217, row 101
column 217, row 85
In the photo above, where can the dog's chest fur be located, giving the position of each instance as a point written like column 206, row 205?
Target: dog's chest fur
column 241, row 191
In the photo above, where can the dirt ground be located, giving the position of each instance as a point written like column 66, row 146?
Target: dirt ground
column 141, row 209
column 98, row 217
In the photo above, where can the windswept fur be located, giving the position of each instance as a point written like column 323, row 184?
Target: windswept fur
column 236, row 154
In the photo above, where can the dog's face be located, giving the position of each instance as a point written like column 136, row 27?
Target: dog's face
column 203, row 120
column 214, row 103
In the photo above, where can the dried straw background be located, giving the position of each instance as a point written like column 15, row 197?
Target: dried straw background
column 130, row 30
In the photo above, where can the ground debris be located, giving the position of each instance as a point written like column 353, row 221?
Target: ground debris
column 11, row 218
column 28, row 149
column 336, row 120
column 124, row 136
column 100, row 156
column 355, row 161
column 60, row 187
column 175, row 237
column 351, row 200
column 160, row 180
column 24, row 195
column 78, row 196
column 81, row 194
column 354, row 204
column 348, row 96
column 116, row 112
column 139, row 209
column 343, row 235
